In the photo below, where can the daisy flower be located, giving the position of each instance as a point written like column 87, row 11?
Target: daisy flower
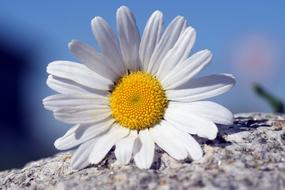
column 136, row 93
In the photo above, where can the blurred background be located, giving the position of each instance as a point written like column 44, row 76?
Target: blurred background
column 246, row 37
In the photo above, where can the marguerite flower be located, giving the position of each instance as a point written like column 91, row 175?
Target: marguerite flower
column 136, row 92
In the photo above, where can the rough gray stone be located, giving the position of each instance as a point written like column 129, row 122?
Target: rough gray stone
column 247, row 155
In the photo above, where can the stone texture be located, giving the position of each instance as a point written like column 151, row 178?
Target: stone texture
column 247, row 155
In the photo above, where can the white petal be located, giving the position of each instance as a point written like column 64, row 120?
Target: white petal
column 167, row 139
column 137, row 146
column 82, row 133
column 144, row 157
column 124, row 148
column 70, row 116
column 106, row 142
column 74, row 101
column 79, row 158
column 78, row 108
column 108, row 42
column 150, row 38
column 129, row 37
column 192, row 146
column 167, row 41
column 64, row 86
column 178, row 53
column 209, row 110
column 78, row 73
column 190, row 123
column 202, row 88
column 184, row 71
column 95, row 61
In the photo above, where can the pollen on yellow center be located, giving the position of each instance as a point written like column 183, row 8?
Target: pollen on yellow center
column 138, row 101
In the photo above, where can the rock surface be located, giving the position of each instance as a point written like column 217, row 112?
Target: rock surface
column 247, row 155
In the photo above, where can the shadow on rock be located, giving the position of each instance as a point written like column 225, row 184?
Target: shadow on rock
column 240, row 124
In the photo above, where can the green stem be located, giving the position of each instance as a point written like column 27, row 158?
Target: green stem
column 275, row 103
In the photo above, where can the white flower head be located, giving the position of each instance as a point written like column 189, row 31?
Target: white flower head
column 136, row 93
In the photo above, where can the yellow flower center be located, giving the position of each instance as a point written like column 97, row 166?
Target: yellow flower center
column 138, row 101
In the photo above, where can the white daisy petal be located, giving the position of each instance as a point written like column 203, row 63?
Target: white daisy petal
column 95, row 61
column 202, row 88
column 129, row 38
column 79, row 74
column 192, row 146
column 108, row 42
column 124, row 148
column 106, row 142
column 79, row 159
column 78, row 108
column 82, row 133
column 150, row 38
column 144, row 157
column 70, row 116
column 64, row 86
column 184, row 71
column 167, row 41
column 209, row 110
column 137, row 146
column 178, row 53
column 73, row 101
column 168, row 139
column 190, row 123
column 63, row 143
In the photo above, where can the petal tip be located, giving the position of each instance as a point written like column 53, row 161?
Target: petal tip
column 76, row 166
column 96, row 19
column 190, row 29
column 72, row 43
column 123, row 8
column 157, row 13
column 213, row 136
column 180, row 17
column 231, row 78
column 93, row 160
column 207, row 51
column 57, row 144
column 198, row 156
column 231, row 120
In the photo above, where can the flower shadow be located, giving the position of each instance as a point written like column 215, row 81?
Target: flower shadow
column 240, row 124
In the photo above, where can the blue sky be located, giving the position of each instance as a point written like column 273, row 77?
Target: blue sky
column 226, row 28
